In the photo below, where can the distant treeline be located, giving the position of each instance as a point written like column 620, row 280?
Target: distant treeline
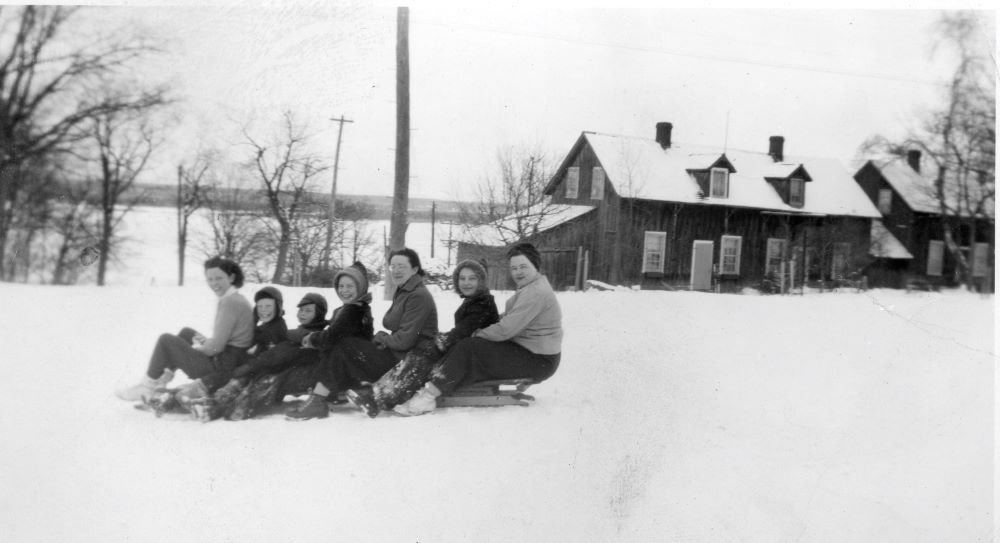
column 419, row 208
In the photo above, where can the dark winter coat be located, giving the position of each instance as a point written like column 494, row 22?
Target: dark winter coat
column 405, row 378
column 269, row 334
column 477, row 311
column 412, row 317
column 303, row 330
column 349, row 320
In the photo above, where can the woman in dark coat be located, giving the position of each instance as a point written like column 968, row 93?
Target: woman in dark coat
column 478, row 310
column 412, row 324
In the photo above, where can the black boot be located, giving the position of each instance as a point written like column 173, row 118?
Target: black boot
column 364, row 399
column 314, row 408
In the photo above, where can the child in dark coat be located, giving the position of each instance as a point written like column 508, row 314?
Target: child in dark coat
column 478, row 310
column 352, row 319
column 285, row 354
column 269, row 315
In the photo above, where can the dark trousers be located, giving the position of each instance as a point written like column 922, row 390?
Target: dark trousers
column 352, row 361
column 475, row 359
column 175, row 352
column 405, row 378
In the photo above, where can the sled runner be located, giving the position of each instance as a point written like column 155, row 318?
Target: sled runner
column 490, row 393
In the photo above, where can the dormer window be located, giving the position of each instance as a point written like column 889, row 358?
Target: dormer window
column 796, row 192
column 885, row 201
column 719, row 183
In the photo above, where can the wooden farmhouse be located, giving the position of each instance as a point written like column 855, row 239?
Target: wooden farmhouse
column 912, row 214
column 661, row 214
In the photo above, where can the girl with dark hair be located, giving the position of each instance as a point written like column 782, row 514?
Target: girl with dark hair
column 412, row 324
column 478, row 310
column 207, row 360
column 525, row 343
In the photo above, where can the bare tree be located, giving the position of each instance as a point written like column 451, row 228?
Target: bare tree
column 193, row 185
column 238, row 231
column 44, row 97
column 286, row 169
column 122, row 142
column 511, row 201
column 959, row 140
column 76, row 222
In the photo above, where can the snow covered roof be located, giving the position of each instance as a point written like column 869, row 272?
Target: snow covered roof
column 917, row 189
column 490, row 234
column 640, row 168
column 884, row 244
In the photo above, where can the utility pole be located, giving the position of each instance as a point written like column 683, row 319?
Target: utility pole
column 180, row 223
column 400, row 196
column 433, row 211
column 332, row 211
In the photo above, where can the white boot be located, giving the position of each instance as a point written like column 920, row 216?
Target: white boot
column 145, row 387
column 424, row 401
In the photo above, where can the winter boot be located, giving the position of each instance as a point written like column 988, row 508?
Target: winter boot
column 424, row 401
column 241, row 408
column 190, row 394
column 145, row 388
column 314, row 408
column 161, row 401
column 364, row 399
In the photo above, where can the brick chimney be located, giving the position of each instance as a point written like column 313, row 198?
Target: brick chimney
column 777, row 148
column 663, row 134
column 913, row 159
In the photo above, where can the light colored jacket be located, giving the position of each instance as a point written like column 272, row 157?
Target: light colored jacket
column 532, row 319
column 233, row 324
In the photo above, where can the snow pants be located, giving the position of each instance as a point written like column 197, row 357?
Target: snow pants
column 176, row 352
column 476, row 359
column 353, row 361
column 405, row 378
column 277, row 359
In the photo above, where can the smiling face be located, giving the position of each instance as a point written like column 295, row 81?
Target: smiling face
column 347, row 289
column 218, row 280
column 401, row 269
column 266, row 309
column 521, row 270
column 468, row 282
column 306, row 313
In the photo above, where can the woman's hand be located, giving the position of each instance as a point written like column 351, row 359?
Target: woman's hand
column 379, row 339
column 198, row 339
column 306, row 343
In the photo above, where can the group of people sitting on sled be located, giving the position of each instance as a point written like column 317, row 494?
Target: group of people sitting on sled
column 252, row 361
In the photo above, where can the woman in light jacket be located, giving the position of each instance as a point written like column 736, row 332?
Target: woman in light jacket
column 525, row 343
column 209, row 361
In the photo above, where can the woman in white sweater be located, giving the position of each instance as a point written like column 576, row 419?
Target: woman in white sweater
column 208, row 360
column 525, row 343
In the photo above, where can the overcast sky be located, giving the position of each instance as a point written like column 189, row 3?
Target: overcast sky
column 482, row 79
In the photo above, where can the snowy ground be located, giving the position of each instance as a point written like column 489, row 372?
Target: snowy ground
column 674, row 417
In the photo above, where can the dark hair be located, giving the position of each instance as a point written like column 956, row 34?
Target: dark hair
column 412, row 256
column 528, row 251
column 228, row 267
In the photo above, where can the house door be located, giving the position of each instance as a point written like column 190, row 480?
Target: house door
column 701, row 265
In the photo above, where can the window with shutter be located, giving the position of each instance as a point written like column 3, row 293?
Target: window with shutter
column 597, row 184
column 935, row 257
column 572, row 182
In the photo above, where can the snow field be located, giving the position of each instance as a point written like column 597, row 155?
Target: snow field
column 674, row 416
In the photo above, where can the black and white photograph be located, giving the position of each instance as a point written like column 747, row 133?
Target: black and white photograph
column 498, row 272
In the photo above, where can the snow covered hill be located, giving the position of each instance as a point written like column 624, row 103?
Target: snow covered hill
column 673, row 417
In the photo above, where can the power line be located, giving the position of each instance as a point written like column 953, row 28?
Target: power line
column 688, row 54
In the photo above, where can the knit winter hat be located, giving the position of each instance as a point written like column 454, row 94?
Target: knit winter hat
column 319, row 300
column 358, row 273
column 477, row 268
column 272, row 293
column 528, row 251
